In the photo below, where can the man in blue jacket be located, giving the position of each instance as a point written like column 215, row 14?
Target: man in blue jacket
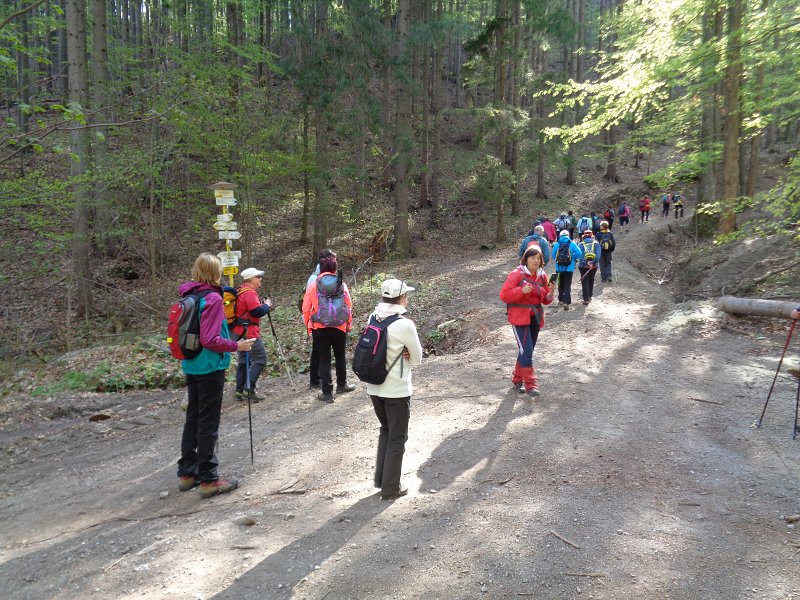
column 538, row 237
column 566, row 254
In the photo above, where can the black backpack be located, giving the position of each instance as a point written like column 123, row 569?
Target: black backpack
column 564, row 254
column 369, row 356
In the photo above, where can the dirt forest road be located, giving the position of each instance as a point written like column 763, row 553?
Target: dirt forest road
column 636, row 474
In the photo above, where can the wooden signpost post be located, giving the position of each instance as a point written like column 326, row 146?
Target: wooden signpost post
column 227, row 228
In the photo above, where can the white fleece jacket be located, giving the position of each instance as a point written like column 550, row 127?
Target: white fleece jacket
column 402, row 334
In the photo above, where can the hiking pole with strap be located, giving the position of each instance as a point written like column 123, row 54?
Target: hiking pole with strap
column 772, row 387
column 249, row 394
column 796, row 407
column 278, row 346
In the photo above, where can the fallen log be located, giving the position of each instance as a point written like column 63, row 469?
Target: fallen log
column 756, row 307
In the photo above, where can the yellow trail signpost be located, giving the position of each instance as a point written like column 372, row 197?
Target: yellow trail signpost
column 227, row 228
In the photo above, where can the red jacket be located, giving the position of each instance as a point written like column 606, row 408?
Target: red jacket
column 246, row 300
column 550, row 231
column 522, row 306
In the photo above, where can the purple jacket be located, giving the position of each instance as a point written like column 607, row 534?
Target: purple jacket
column 211, row 319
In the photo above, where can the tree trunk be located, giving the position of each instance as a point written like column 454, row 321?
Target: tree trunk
column 731, row 118
column 515, row 103
column 425, row 76
column 306, row 187
column 403, row 139
column 103, row 212
column 388, row 94
column 79, row 95
column 501, row 105
column 756, row 307
column 359, row 141
column 755, row 141
column 709, row 122
column 436, row 91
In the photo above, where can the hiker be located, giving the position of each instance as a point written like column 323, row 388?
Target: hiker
column 796, row 313
column 205, row 382
column 624, row 214
column 595, row 222
column 609, row 216
column 677, row 202
column 525, row 290
column 665, row 200
column 549, row 229
column 607, row 245
column 573, row 223
column 562, row 222
column 644, row 208
column 538, row 238
column 391, row 399
column 249, row 310
column 328, row 322
column 584, row 224
column 570, row 255
column 313, row 365
column 588, row 265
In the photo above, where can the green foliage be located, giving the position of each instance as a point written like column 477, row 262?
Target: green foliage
column 493, row 181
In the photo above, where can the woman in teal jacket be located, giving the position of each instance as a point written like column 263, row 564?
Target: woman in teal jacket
column 205, row 381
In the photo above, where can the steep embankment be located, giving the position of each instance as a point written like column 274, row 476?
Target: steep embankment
column 635, row 475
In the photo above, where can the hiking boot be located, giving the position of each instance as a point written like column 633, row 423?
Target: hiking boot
column 252, row 393
column 326, row 398
column 314, row 386
column 187, row 482
column 398, row 494
column 587, row 301
column 220, row 486
column 566, row 307
column 520, row 387
column 533, row 392
column 608, row 280
column 343, row 389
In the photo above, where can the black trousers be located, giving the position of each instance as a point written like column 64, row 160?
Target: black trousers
column 324, row 340
column 201, row 429
column 393, row 414
column 313, row 367
column 564, row 287
column 587, row 282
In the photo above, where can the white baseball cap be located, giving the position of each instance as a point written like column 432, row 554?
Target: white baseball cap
column 393, row 288
column 250, row 273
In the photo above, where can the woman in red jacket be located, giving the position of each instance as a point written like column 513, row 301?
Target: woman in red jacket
column 525, row 291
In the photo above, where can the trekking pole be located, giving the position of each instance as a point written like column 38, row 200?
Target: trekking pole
column 796, row 406
column 280, row 351
column 772, row 387
column 249, row 394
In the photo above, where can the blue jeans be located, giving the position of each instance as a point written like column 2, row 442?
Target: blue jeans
column 526, row 336
column 258, row 360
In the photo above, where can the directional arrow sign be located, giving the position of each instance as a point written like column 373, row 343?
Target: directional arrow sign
column 223, row 193
column 226, row 201
column 229, row 235
column 230, row 270
column 225, row 217
column 232, row 226
column 230, row 254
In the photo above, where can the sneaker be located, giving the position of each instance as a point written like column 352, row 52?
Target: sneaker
column 533, row 392
column 566, row 307
column 520, row 387
column 343, row 389
column 399, row 494
column 608, row 280
column 587, row 301
column 220, row 486
column 326, row 398
column 187, row 482
column 240, row 395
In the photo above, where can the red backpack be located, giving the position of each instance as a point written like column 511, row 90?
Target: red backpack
column 183, row 326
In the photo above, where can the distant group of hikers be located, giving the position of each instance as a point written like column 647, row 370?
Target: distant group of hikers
column 586, row 244
column 210, row 321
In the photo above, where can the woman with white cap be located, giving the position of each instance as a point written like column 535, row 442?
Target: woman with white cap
column 525, row 291
column 392, row 398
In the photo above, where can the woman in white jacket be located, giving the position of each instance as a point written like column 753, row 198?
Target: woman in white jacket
column 392, row 398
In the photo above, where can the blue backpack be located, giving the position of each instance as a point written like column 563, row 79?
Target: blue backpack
column 331, row 308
